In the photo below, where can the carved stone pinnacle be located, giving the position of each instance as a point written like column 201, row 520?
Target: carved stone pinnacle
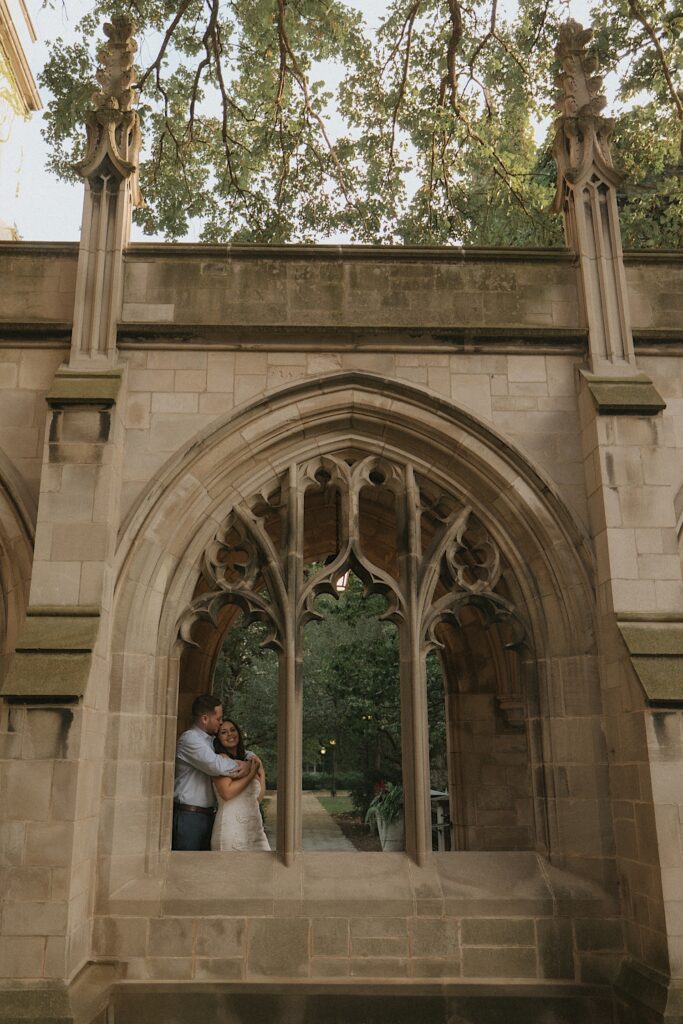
column 581, row 144
column 117, row 73
column 113, row 127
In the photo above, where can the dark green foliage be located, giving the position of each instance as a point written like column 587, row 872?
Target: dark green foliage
column 428, row 137
column 386, row 805
column 351, row 695
column 323, row 780
column 246, row 682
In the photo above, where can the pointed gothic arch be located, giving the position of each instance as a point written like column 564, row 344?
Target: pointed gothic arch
column 179, row 525
column 17, row 526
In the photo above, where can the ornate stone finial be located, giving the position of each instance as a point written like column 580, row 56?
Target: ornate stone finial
column 581, row 143
column 113, row 127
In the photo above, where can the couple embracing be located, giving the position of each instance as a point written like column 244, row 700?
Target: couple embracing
column 212, row 766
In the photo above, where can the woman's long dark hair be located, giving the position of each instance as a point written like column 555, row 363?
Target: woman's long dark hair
column 240, row 752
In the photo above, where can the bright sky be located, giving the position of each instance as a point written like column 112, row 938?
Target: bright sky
column 45, row 209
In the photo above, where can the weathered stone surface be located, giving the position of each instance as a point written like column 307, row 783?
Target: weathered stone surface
column 497, row 931
column 74, row 388
column 656, row 650
column 628, row 397
column 330, row 937
column 53, row 674
column 65, row 630
column 499, row 962
column 278, row 948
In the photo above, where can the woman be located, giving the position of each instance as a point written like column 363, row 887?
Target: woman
column 238, row 824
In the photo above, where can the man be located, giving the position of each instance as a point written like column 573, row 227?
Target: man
column 196, row 763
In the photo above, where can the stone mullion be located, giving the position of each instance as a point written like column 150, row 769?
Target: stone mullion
column 414, row 725
column 602, row 275
column 612, row 275
column 586, row 195
column 110, row 171
column 290, row 696
column 107, row 213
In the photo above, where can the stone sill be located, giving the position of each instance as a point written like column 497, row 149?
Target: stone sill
column 315, row 337
column 468, row 883
column 334, row 252
column 340, row 253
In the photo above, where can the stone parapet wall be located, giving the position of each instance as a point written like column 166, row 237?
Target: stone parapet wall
column 348, row 287
column 361, row 916
column 335, row 286
column 37, row 282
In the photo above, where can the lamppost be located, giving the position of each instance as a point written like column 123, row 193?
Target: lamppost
column 333, row 786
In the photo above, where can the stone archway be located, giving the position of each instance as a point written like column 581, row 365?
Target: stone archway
column 547, row 575
column 17, row 519
column 421, row 548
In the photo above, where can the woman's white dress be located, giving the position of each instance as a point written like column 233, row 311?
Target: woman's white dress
column 238, row 824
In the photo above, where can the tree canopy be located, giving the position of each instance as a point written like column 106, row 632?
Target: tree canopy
column 350, row 689
column 297, row 120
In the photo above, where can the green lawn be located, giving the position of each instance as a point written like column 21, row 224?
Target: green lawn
column 340, row 804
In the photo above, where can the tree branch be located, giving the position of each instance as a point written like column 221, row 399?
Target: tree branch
column 639, row 15
column 168, row 35
column 299, row 77
column 407, row 26
column 449, row 83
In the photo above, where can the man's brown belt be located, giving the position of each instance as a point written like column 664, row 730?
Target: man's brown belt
column 195, row 810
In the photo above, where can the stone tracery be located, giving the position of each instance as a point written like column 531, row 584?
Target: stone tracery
column 444, row 560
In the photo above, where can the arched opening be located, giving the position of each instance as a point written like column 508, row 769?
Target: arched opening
column 508, row 583
column 351, row 724
column 433, row 570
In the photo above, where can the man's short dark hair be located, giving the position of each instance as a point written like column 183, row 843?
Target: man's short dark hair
column 206, row 704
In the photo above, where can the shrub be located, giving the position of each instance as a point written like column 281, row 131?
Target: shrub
column 369, row 784
column 386, row 805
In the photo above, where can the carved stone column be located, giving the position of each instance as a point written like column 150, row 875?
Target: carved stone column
column 629, row 453
column 58, row 682
column 110, row 170
column 586, row 195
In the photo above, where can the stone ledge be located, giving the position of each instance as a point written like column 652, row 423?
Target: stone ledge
column 512, row 340
column 53, row 655
column 656, row 650
column 55, row 333
column 59, row 629
column 650, row 997
column 102, row 989
column 96, row 387
column 83, row 1001
column 372, row 1001
column 624, row 396
column 341, row 253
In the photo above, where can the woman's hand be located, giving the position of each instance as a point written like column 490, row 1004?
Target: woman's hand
column 228, row 788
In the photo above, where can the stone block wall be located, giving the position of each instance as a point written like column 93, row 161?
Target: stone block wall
column 174, row 395
column 25, row 378
column 206, row 333
column 492, row 916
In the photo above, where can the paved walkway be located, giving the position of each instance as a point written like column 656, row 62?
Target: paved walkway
column 320, row 830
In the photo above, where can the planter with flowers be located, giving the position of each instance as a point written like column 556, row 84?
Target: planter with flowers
column 386, row 813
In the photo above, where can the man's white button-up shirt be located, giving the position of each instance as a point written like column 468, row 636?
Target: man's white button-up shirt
column 196, row 763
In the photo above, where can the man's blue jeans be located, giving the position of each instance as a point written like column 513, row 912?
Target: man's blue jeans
column 191, row 831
